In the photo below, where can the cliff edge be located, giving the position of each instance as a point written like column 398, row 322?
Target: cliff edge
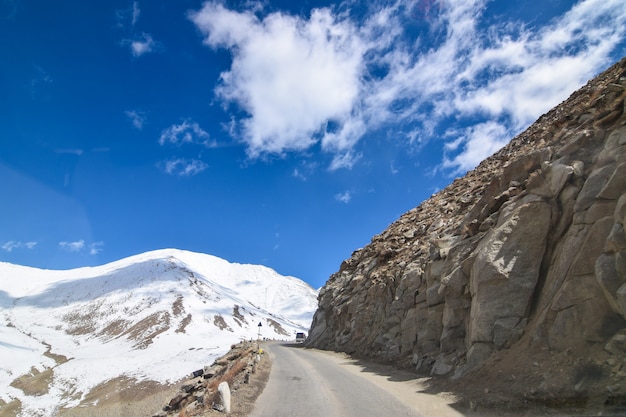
column 513, row 278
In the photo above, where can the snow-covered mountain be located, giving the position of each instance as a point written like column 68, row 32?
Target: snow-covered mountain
column 155, row 316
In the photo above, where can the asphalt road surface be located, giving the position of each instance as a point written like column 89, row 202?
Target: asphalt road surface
column 312, row 383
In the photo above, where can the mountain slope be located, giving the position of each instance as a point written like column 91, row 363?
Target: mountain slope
column 154, row 316
column 514, row 273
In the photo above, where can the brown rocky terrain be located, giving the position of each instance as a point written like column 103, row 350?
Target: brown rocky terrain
column 245, row 368
column 510, row 284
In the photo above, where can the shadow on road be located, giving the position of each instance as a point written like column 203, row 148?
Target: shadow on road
column 293, row 345
column 473, row 400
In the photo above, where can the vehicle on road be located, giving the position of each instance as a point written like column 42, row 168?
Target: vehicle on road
column 300, row 337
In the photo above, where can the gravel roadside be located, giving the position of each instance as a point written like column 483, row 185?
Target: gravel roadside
column 123, row 398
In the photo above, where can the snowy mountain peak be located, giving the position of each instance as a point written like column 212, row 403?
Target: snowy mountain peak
column 152, row 316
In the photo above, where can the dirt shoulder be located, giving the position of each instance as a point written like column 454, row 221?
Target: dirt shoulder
column 129, row 398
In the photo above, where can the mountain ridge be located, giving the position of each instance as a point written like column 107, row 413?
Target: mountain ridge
column 151, row 317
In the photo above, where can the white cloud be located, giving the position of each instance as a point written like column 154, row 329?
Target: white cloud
column 298, row 174
column 135, row 13
column 537, row 71
column 329, row 80
column 80, row 246
column 344, row 197
column 346, row 160
column 95, row 248
column 137, row 118
column 141, row 45
column 188, row 133
column 292, row 76
column 128, row 16
column 11, row 245
column 476, row 143
column 76, row 246
column 185, row 133
column 184, row 167
column 38, row 83
column 305, row 169
column 138, row 44
column 70, row 151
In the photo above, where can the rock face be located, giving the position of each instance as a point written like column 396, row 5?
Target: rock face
column 526, row 253
column 210, row 388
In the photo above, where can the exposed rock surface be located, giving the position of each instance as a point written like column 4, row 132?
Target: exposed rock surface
column 208, row 392
column 520, row 264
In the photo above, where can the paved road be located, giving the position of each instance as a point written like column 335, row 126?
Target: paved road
column 312, row 383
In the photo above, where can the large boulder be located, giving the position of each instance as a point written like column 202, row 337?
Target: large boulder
column 507, row 267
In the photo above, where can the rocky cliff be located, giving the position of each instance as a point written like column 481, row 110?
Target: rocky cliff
column 514, row 273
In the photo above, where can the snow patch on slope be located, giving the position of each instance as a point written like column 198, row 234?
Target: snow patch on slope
column 154, row 316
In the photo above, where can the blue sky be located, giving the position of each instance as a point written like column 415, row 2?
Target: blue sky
column 279, row 133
